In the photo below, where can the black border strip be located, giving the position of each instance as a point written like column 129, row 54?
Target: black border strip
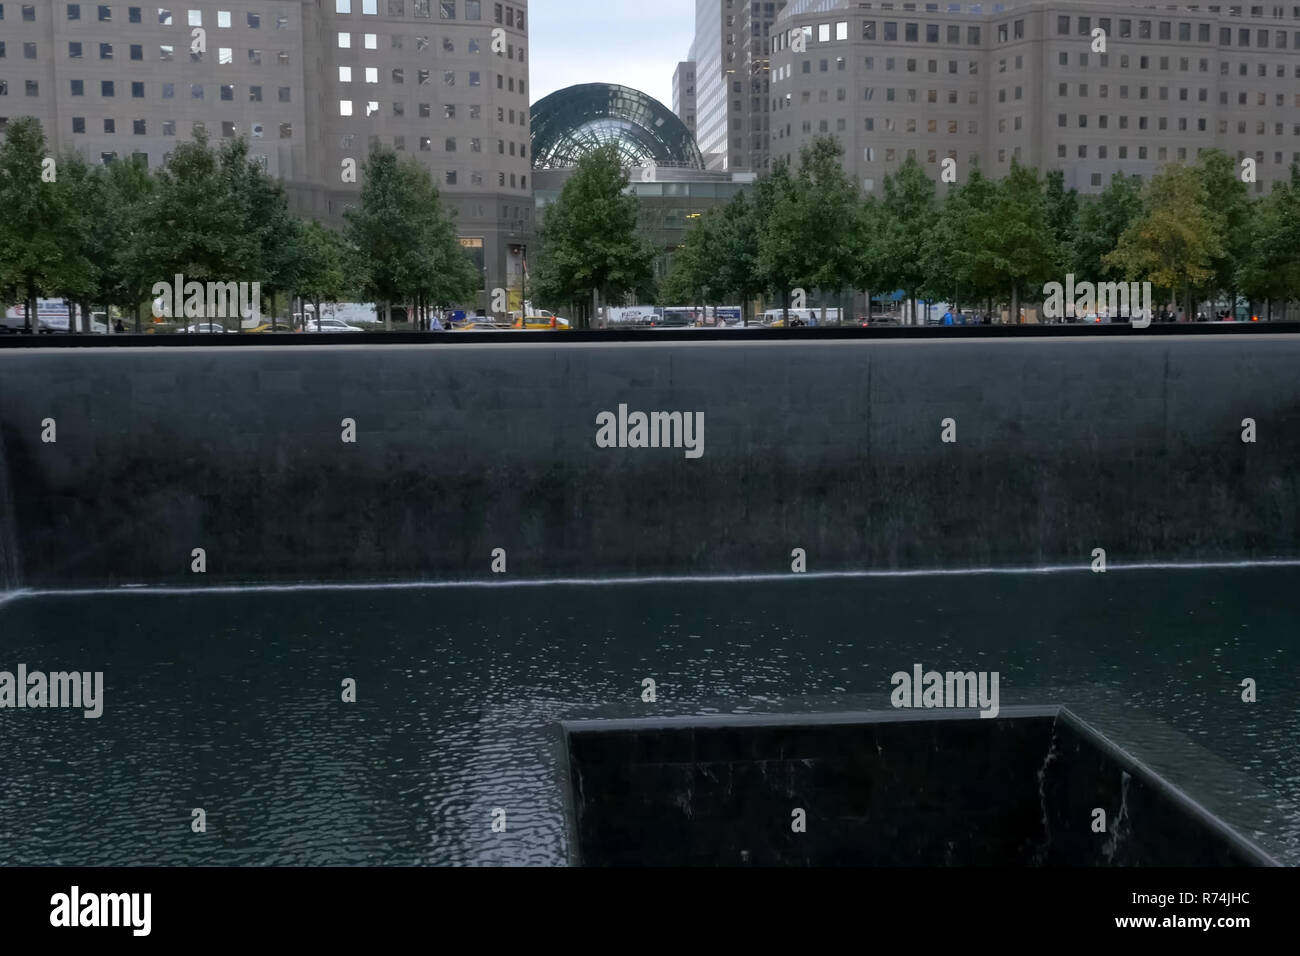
column 625, row 336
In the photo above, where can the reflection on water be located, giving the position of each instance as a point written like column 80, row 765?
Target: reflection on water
column 231, row 702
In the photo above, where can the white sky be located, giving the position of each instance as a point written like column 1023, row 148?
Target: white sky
column 636, row 43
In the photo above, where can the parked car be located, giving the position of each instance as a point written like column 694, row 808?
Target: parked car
column 481, row 324
column 331, row 325
column 203, row 327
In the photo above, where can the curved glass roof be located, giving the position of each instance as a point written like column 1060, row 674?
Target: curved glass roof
column 572, row 122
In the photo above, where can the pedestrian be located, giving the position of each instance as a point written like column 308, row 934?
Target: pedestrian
column 118, row 327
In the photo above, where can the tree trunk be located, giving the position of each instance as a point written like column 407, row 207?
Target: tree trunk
column 785, row 308
column 388, row 316
column 1015, row 304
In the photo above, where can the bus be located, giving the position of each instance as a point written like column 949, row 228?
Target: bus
column 706, row 316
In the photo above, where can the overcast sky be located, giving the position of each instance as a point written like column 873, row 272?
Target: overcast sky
column 636, row 43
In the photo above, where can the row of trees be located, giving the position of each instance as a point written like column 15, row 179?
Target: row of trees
column 105, row 234
column 1194, row 232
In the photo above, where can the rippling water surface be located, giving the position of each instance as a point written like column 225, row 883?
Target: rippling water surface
column 231, row 702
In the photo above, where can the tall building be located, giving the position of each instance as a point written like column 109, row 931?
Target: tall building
column 1028, row 80
column 684, row 93
column 310, row 83
column 731, row 52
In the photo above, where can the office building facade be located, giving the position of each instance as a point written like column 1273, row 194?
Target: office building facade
column 684, row 93
column 988, row 83
column 310, row 83
column 733, row 41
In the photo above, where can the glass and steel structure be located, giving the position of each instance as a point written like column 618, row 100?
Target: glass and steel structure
column 572, row 122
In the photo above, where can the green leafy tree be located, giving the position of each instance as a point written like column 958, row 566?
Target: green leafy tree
column 1175, row 242
column 737, row 241
column 695, row 273
column 1103, row 219
column 870, row 267
column 34, row 220
column 779, row 259
column 827, row 239
column 590, row 244
column 443, row 274
column 78, row 273
column 1271, row 269
column 272, row 254
column 395, row 233
column 1229, row 205
column 952, row 272
column 909, row 215
column 1062, row 211
column 323, row 275
column 195, row 223
column 1014, row 245
column 127, row 276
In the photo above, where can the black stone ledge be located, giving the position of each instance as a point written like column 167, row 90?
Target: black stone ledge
column 544, row 338
column 1246, row 852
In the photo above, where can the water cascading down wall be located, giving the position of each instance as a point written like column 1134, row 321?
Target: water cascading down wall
column 1057, row 447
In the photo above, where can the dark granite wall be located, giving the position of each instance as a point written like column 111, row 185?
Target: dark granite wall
column 1064, row 445
column 877, row 790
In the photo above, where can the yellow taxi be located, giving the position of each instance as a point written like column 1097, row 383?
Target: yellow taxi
column 548, row 322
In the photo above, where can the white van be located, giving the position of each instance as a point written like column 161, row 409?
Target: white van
column 51, row 316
